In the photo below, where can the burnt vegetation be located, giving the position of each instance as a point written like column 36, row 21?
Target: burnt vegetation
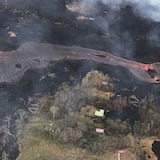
column 65, row 108
column 63, row 96
column 71, row 119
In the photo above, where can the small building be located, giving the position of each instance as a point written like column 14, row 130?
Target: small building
column 99, row 113
column 99, row 130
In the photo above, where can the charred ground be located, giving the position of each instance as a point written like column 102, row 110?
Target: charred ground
column 52, row 22
column 37, row 21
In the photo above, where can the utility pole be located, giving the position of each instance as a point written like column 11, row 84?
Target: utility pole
column 119, row 154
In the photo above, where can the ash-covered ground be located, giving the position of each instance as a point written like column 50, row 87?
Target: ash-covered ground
column 129, row 29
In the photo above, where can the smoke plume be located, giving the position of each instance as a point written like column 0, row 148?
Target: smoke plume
column 123, row 27
column 117, row 20
column 146, row 8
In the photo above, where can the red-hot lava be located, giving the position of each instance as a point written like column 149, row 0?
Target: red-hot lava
column 32, row 55
column 145, row 72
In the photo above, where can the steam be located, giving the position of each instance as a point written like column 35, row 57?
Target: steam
column 104, row 26
column 122, row 41
column 147, row 8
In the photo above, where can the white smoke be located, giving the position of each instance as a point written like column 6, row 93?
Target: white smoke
column 146, row 8
column 124, row 40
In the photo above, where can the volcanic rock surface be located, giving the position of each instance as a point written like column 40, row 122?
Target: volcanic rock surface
column 31, row 76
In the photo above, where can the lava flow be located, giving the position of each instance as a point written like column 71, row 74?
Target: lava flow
column 145, row 72
column 36, row 55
